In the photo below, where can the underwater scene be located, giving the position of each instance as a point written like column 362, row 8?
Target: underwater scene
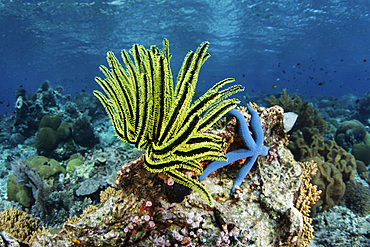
column 185, row 123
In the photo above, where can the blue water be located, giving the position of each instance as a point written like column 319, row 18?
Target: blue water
column 310, row 47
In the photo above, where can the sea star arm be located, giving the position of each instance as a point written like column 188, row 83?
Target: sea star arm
column 256, row 128
column 243, row 172
column 243, row 128
column 231, row 157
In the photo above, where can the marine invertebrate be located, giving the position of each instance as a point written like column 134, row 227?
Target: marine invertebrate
column 350, row 133
column 147, row 111
column 19, row 224
column 309, row 194
column 254, row 147
column 329, row 180
column 308, row 144
column 265, row 213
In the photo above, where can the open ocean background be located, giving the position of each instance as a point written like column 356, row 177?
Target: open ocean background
column 312, row 48
column 59, row 154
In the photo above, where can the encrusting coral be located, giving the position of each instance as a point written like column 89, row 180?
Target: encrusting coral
column 145, row 110
column 308, row 196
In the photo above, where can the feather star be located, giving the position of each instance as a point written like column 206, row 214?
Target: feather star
column 254, row 148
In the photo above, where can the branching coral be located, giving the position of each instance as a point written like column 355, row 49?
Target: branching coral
column 19, row 224
column 308, row 196
column 147, row 111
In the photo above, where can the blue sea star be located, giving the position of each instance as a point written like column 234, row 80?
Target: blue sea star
column 254, row 148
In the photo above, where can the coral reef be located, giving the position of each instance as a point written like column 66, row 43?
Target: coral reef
column 335, row 165
column 270, row 208
column 30, row 110
column 24, row 175
column 53, row 118
column 308, row 145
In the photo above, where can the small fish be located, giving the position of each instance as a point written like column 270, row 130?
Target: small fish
column 274, row 86
column 289, row 120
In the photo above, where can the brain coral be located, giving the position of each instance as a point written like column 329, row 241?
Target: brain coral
column 349, row 133
column 362, row 152
column 329, row 180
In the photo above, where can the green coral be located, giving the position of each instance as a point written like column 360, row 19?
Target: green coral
column 362, row 152
column 19, row 193
column 52, row 130
column 45, row 167
column 64, row 131
column 46, row 139
column 52, row 121
column 73, row 164
column 147, row 111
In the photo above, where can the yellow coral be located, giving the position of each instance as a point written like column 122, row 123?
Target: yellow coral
column 308, row 195
column 109, row 192
column 19, row 224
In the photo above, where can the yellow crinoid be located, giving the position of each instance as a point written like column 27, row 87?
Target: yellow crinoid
column 147, row 111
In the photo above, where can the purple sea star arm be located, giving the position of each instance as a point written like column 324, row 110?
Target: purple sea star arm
column 231, row 157
column 256, row 127
column 243, row 172
column 243, row 129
